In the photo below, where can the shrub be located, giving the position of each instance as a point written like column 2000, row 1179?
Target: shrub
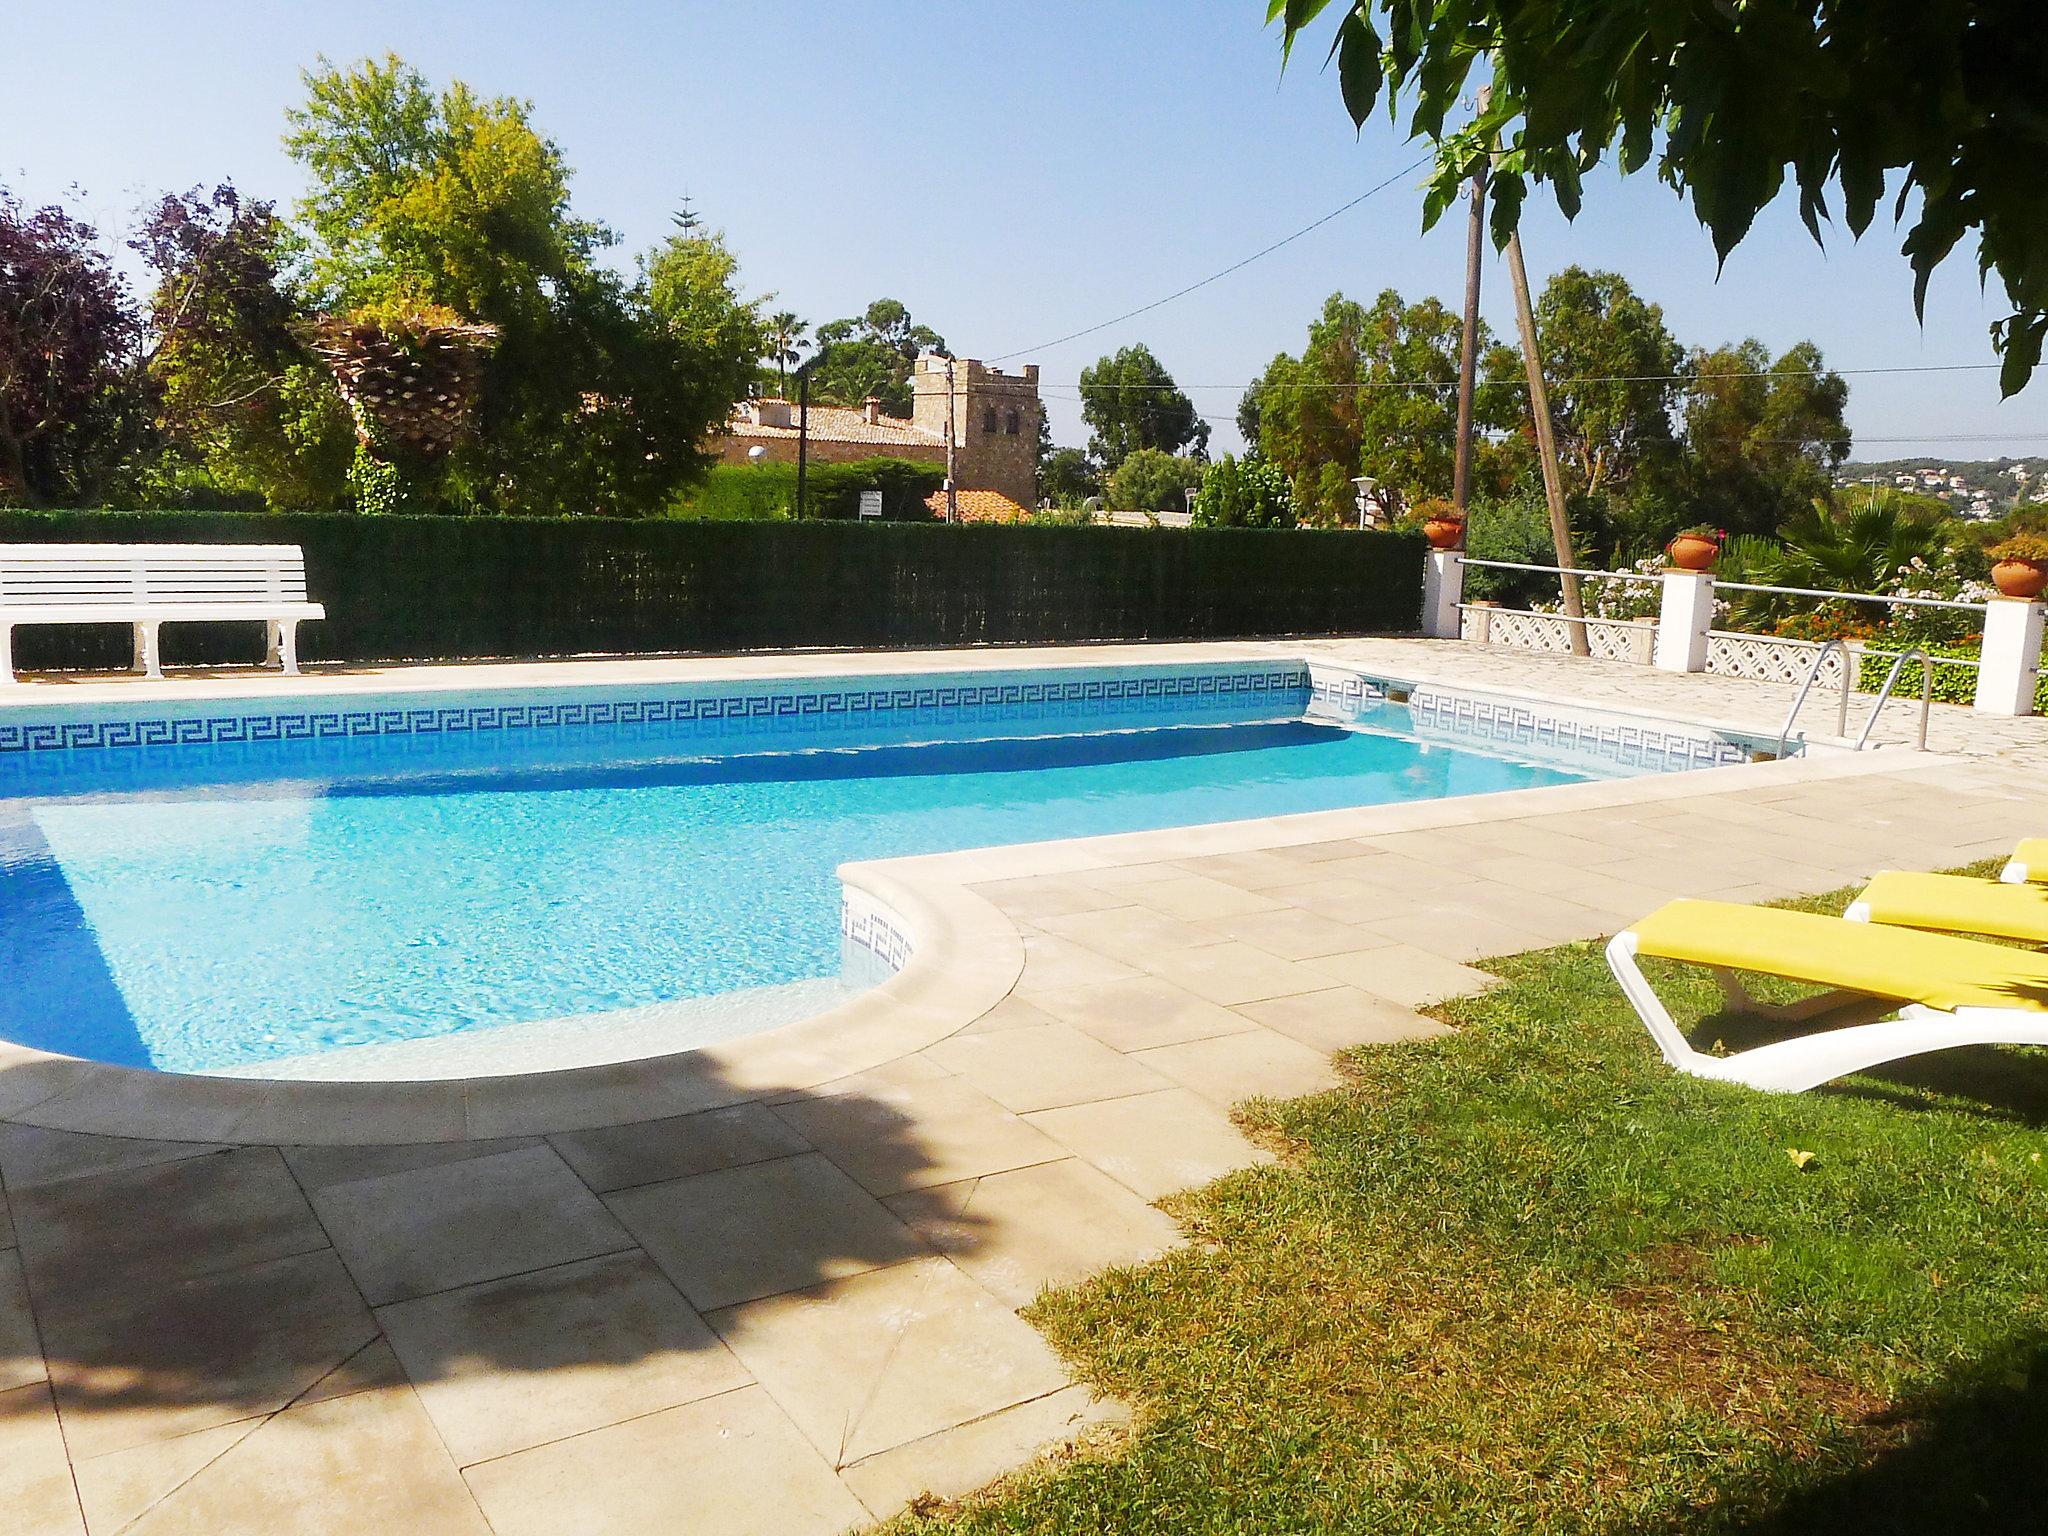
column 1244, row 493
column 767, row 492
column 2025, row 545
column 1150, row 480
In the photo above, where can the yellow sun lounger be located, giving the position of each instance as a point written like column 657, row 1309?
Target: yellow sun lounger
column 2029, row 862
column 1950, row 991
column 1955, row 904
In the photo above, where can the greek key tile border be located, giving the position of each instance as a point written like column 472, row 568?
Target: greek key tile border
column 1640, row 746
column 798, row 708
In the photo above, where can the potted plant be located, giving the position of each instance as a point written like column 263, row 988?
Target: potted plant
column 2021, row 565
column 1695, row 549
column 1441, row 523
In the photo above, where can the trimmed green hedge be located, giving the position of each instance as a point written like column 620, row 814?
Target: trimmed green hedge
column 742, row 492
column 440, row 588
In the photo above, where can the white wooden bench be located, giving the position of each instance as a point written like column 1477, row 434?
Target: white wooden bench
column 148, row 585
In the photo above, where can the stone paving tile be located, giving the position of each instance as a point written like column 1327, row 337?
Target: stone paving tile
column 1052, row 1224
column 1402, row 973
column 732, row 1465
column 1465, row 936
column 1010, row 1013
column 1132, row 1015
column 1259, row 1062
column 367, row 1462
column 6, row 1222
column 1129, row 933
column 1154, row 1144
column 36, row 1490
column 431, row 1229
column 1255, row 870
column 1039, row 1068
column 31, row 1154
column 743, row 1233
column 514, row 1363
column 874, row 1362
column 914, row 1134
column 1230, row 972
column 109, row 1237
column 955, row 1462
column 223, row 1347
column 21, row 1355
column 650, row 1151
column 1194, row 897
column 1293, row 933
column 318, row 1167
column 1036, row 898
column 1338, row 898
column 1341, row 1017
column 1052, row 963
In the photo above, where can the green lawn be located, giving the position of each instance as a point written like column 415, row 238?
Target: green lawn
column 1524, row 1278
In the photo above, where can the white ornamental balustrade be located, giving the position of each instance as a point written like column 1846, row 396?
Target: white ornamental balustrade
column 1769, row 659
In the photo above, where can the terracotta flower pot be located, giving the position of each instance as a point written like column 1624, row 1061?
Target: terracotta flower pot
column 1444, row 532
column 2020, row 578
column 1690, row 552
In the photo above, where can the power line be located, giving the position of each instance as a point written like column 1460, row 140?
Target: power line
column 1684, row 380
column 1239, row 266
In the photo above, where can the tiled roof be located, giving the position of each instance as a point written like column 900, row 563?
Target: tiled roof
column 979, row 507
column 840, row 424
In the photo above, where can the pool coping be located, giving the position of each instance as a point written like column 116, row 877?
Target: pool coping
column 966, row 958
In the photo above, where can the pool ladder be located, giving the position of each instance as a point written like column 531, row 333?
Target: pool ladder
column 1884, row 694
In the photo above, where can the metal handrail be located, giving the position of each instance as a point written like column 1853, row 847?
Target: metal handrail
column 1558, row 570
column 1884, row 694
column 1820, row 658
column 1851, row 597
column 1538, row 613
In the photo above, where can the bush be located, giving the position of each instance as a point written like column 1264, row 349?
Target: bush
column 767, row 492
column 1150, row 480
column 1516, row 529
column 1246, row 493
column 434, row 588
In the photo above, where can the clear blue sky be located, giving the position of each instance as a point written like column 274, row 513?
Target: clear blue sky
column 1011, row 173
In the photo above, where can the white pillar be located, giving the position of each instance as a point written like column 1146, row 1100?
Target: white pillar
column 1443, row 586
column 2011, row 657
column 1683, row 619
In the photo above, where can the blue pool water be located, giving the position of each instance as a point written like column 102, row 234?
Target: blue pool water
column 206, row 926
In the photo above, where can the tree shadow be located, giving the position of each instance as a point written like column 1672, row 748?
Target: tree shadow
column 170, row 1288
column 1970, row 1455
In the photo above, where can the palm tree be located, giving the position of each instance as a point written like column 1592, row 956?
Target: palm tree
column 785, row 340
column 1859, row 548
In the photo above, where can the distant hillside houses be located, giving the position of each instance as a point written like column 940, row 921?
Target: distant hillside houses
column 1974, row 490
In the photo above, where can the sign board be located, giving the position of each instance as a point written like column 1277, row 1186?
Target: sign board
column 870, row 503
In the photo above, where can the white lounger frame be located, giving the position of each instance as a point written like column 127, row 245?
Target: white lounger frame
column 148, row 585
column 1793, row 1066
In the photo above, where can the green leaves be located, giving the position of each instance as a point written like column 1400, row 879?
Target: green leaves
column 1940, row 97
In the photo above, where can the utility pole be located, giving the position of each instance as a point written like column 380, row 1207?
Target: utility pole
column 803, row 435
column 952, row 494
column 1546, row 447
column 1468, row 351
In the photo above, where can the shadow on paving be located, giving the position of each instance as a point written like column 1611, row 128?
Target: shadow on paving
column 177, row 1288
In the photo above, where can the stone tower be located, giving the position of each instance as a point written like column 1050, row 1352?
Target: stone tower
column 995, row 424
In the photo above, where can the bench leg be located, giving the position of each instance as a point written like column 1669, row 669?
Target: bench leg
column 148, row 660
column 284, row 646
column 7, row 677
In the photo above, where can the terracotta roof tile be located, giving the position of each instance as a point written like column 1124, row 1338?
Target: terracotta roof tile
column 979, row 507
column 840, row 424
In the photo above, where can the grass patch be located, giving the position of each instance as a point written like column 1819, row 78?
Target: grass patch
column 1525, row 1278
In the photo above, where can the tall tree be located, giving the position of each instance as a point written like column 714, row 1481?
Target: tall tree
column 871, row 353
column 1374, row 393
column 238, row 390
column 786, row 335
column 1612, row 367
column 68, row 331
column 1941, row 100
column 1762, row 437
column 453, row 202
column 1130, row 402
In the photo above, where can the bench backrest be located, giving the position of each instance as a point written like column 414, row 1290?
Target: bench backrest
column 160, row 575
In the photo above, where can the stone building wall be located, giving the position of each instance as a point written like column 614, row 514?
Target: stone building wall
column 995, row 421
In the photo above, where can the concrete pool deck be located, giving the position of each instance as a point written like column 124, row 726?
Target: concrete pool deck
column 791, row 1305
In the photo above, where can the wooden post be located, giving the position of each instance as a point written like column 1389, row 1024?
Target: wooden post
column 1546, row 447
column 803, row 436
column 1468, row 350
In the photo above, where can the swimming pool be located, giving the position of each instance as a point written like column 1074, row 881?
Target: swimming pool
column 248, row 893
